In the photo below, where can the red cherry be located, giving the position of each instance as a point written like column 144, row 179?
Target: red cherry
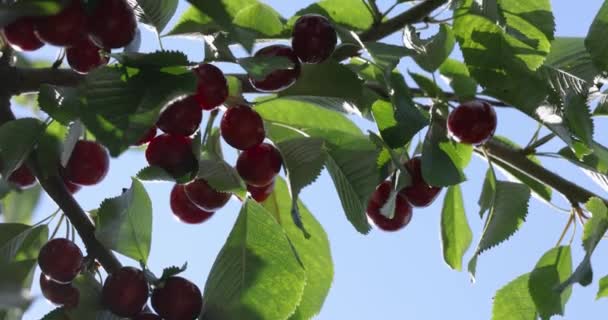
column 59, row 294
column 181, row 117
column 242, row 127
column 88, row 164
column 204, row 196
column 147, row 316
column 22, row 177
column 280, row 79
column 172, row 153
column 150, row 134
column 125, row 292
column 85, row 56
column 419, row 193
column 65, row 29
column 472, row 122
column 112, row 24
column 212, row 89
column 260, row 194
column 72, row 187
column 402, row 214
column 314, row 38
column 177, row 299
column 60, row 259
column 259, row 165
column 184, row 209
column 21, row 36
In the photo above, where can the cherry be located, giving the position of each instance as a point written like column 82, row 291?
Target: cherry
column 177, row 299
column 242, row 127
column 314, row 38
column 148, row 136
column 472, row 122
column 22, row 177
column 279, row 79
column 419, row 193
column 259, row 165
column 147, row 316
column 204, row 196
column 72, row 187
column 59, row 294
column 402, row 214
column 85, row 56
column 182, row 117
column 212, row 88
column 125, row 292
column 88, row 164
column 21, row 36
column 260, row 194
column 184, row 209
column 65, row 29
column 112, row 24
column 61, row 260
column 172, row 153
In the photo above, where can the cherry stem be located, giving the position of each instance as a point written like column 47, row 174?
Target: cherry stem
column 566, row 228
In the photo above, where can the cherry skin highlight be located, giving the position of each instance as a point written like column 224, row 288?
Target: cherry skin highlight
column 148, row 136
column 61, row 260
column 419, row 193
column 125, row 292
column 22, row 177
column 112, row 24
column 21, row 35
column 59, row 294
column 72, row 187
column 242, row 127
column 88, row 164
column 85, row 56
column 184, row 209
column 204, row 196
column 279, row 79
column 182, row 117
column 472, row 122
column 65, row 29
column 172, row 153
column 259, row 165
column 178, row 299
column 403, row 211
column 314, row 38
column 147, row 316
column 260, row 194
column 212, row 88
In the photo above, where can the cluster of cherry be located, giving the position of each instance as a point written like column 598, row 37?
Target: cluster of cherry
column 110, row 25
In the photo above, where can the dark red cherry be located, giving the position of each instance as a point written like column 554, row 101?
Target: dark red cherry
column 259, row 165
column 21, row 36
column 85, row 56
column 242, row 127
column 65, row 29
column 212, row 88
column 72, row 187
column 314, row 38
column 402, row 214
column 184, row 209
column 22, row 177
column 280, row 79
column 60, row 259
column 148, row 136
column 147, row 316
column 59, row 294
column 125, row 292
column 88, row 164
column 177, row 299
column 112, row 24
column 182, row 117
column 472, row 122
column 419, row 193
column 172, row 153
column 260, row 194
column 204, row 196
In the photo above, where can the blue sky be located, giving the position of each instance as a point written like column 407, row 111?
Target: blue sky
column 385, row 276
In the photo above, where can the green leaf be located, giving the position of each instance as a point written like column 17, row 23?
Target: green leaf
column 89, row 304
column 19, row 242
column 508, row 213
column 603, row 290
column 428, row 86
column 10, row 12
column 124, row 223
column 442, row 159
column 386, row 55
column 578, row 117
column 595, row 41
column 514, row 302
column 459, row 78
column 220, row 175
column 17, row 139
column 430, row 53
column 456, row 233
column 195, row 21
column 50, row 149
column 569, row 67
column 488, row 192
column 153, row 60
column 256, row 265
column 61, row 103
column 261, row 66
column 155, row 13
column 332, row 103
column 262, row 18
column 351, row 14
column 18, row 206
column 173, row 271
column 314, row 252
column 553, row 268
column 153, row 173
